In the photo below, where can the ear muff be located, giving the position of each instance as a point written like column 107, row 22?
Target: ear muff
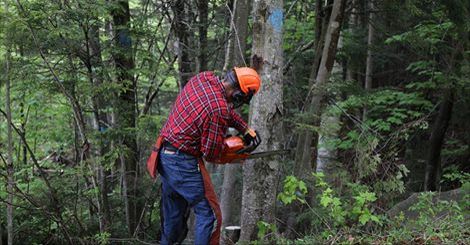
column 239, row 98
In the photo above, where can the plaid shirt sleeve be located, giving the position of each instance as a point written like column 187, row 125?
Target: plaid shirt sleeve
column 237, row 122
column 212, row 138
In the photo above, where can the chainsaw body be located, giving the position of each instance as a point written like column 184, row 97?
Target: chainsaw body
column 232, row 145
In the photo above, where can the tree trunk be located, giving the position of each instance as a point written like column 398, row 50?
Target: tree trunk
column 369, row 59
column 260, row 177
column 304, row 153
column 241, row 32
column 182, row 35
column 96, row 75
column 202, row 7
column 314, row 107
column 230, row 43
column 126, row 111
column 236, row 45
column 433, row 164
column 230, row 193
column 329, row 127
column 10, row 168
column 352, row 23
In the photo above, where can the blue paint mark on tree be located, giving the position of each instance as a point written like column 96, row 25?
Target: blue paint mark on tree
column 275, row 19
column 124, row 38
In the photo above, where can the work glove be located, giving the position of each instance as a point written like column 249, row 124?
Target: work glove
column 252, row 141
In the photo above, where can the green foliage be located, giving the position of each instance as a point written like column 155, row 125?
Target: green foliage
column 294, row 190
column 264, row 229
column 342, row 209
column 102, row 238
column 441, row 222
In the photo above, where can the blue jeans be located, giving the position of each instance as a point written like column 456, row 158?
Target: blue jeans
column 183, row 188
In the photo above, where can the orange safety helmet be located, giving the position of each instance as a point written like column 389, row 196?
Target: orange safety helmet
column 248, row 79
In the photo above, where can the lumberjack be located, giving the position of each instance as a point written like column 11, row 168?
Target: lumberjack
column 195, row 130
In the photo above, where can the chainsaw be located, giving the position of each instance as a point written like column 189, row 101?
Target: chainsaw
column 233, row 147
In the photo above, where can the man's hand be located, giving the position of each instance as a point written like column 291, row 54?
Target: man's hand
column 252, row 141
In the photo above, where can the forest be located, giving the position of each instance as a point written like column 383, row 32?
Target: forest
column 368, row 98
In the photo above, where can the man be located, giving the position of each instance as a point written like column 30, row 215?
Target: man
column 195, row 129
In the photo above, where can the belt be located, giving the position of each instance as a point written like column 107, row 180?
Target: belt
column 167, row 146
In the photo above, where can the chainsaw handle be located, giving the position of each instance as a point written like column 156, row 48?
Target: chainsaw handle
column 252, row 141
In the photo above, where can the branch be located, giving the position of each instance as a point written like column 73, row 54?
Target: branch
column 149, row 98
column 300, row 49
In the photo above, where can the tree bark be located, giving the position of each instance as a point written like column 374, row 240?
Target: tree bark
column 230, row 193
column 241, row 32
column 182, row 36
column 10, row 168
column 304, row 153
column 314, row 106
column 100, row 118
column 433, row 164
column 369, row 59
column 236, row 45
column 229, row 48
column 202, row 7
column 352, row 23
column 260, row 177
column 126, row 110
column 329, row 127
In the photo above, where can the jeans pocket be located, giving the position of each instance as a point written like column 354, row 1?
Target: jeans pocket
column 188, row 167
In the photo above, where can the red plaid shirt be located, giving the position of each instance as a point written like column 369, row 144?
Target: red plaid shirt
column 200, row 117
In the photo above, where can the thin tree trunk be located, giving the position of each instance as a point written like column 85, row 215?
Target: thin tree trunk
column 96, row 75
column 230, row 193
column 236, row 45
column 182, row 34
column 350, row 74
column 433, row 164
column 126, row 111
column 314, row 107
column 369, row 59
column 241, row 32
column 329, row 127
column 10, row 168
column 260, row 177
column 304, row 153
column 229, row 48
column 202, row 7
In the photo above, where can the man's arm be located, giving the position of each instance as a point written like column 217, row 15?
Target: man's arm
column 212, row 141
column 237, row 122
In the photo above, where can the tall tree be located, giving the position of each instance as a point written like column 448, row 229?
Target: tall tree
column 328, row 130
column 95, row 70
column 304, row 154
column 182, row 41
column 126, row 110
column 236, row 45
column 315, row 104
column 433, row 164
column 230, row 193
column 369, row 59
column 203, row 12
column 260, row 177
column 10, row 167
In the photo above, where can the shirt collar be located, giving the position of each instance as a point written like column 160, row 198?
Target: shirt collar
column 221, row 86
